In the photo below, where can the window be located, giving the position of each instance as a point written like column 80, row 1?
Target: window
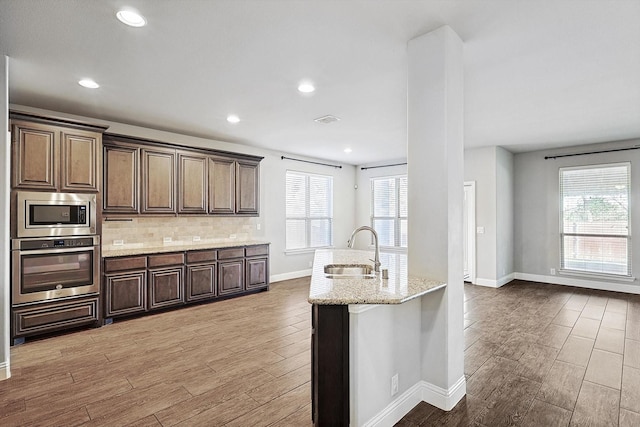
column 309, row 200
column 389, row 210
column 594, row 233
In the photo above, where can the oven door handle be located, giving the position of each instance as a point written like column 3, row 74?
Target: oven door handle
column 54, row 251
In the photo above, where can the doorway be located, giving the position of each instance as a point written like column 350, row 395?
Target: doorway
column 469, row 231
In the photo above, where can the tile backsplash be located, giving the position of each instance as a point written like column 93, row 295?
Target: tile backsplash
column 156, row 231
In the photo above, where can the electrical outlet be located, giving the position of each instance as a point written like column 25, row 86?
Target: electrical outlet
column 118, row 242
column 394, row 385
column 553, row 271
column 258, row 226
column 232, row 236
column 479, row 230
column 196, row 238
column 166, row 240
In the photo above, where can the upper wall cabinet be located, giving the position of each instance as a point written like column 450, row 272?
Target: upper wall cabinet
column 52, row 155
column 174, row 180
column 158, row 180
column 121, row 169
column 192, row 183
column 222, row 186
column 247, row 187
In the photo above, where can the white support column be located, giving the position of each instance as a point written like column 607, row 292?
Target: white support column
column 436, row 190
column 5, row 187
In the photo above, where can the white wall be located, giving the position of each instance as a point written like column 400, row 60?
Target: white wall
column 504, row 215
column 537, row 213
column 272, row 190
column 480, row 166
column 5, row 283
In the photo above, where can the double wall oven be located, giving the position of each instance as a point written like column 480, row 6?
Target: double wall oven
column 55, row 256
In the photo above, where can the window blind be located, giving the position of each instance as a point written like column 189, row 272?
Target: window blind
column 309, row 210
column 389, row 209
column 594, row 234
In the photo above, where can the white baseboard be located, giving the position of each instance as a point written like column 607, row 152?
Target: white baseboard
column 420, row 391
column 580, row 283
column 5, row 372
column 492, row 283
column 288, row 276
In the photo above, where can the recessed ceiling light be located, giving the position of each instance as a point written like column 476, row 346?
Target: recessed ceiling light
column 88, row 83
column 232, row 118
column 306, row 87
column 348, row 150
column 131, row 18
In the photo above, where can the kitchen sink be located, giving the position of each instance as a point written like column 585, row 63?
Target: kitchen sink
column 362, row 271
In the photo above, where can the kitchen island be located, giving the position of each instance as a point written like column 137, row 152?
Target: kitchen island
column 365, row 331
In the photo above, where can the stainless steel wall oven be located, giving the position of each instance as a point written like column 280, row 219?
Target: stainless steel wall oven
column 54, row 268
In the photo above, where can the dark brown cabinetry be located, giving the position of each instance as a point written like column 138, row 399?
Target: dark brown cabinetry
column 247, row 187
column 158, row 180
column 201, row 275
column 230, row 271
column 137, row 284
column 192, row 183
column 330, row 365
column 222, row 183
column 121, row 170
column 49, row 317
column 257, row 267
column 125, row 285
column 175, row 180
column 54, row 155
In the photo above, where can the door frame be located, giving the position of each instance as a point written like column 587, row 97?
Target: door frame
column 471, row 229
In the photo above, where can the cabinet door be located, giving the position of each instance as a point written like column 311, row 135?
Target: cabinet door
column 158, row 181
column 257, row 273
column 40, row 318
column 192, row 184
column 80, row 155
column 165, row 287
column 221, row 186
column 35, row 156
column 120, row 192
column 247, row 189
column 201, row 282
column 125, row 293
column 230, row 277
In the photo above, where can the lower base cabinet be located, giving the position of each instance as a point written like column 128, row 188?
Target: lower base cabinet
column 165, row 288
column 140, row 283
column 125, row 293
column 53, row 316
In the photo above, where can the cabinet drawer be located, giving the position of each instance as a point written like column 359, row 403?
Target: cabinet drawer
column 50, row 317
column 161, row 260
column 127, row 263
column 201, row 256
column 257, row 250
column 231, row 253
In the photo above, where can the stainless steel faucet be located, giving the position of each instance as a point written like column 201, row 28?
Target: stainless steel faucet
column 376, row 261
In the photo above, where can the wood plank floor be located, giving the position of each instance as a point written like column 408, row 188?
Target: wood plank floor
column 546, row 355
column 536, row 355
column 240, row 362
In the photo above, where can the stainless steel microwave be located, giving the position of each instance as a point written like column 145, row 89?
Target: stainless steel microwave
column 55, row 214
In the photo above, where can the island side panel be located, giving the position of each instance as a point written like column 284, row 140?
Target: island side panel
column 330, row 365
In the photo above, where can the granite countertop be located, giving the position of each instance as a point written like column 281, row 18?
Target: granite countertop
column 139, row 249
column 398, row 288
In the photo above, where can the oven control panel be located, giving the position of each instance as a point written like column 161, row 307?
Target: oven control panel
column 72, row 242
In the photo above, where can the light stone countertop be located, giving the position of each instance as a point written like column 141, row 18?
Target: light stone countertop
column 398, row 288
column 140, row 249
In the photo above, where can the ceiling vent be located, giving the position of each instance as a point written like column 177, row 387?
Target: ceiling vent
column 326, row 119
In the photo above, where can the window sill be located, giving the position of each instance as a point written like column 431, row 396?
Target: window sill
column 305, row 250
column 595, row 276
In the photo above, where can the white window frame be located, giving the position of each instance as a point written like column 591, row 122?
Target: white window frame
column 396, row 219
column 308, row 218
column 587, row 273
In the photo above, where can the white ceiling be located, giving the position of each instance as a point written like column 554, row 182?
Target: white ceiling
column 543, row 73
